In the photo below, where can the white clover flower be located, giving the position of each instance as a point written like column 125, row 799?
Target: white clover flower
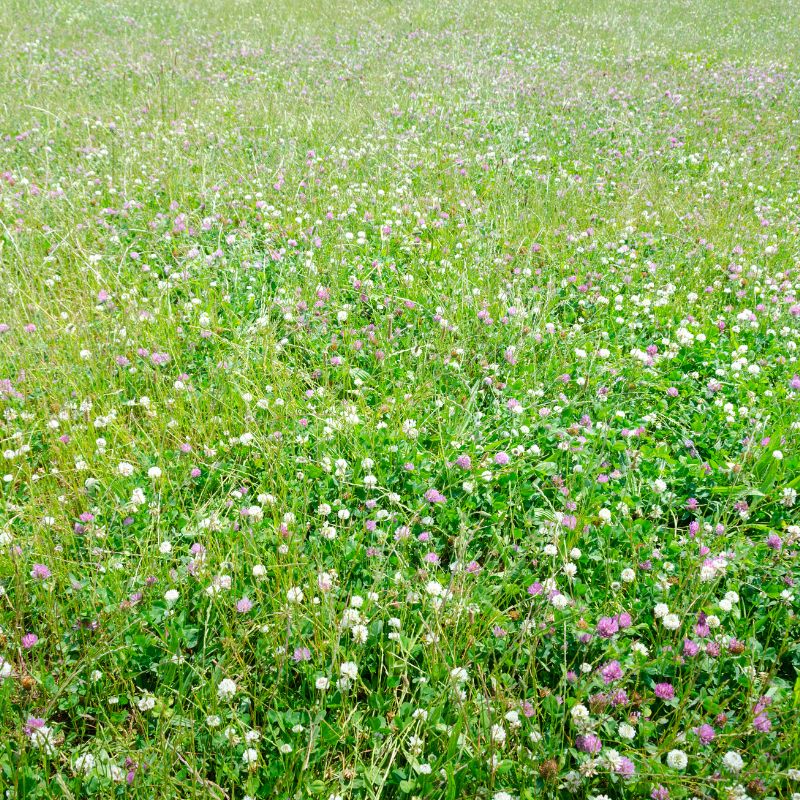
column 250, row 756
column 628, row 575
column 232, row 735
column 672, row 622
column 560, row 601
column 226, row 689
column 512, row 718
column 459, row 675
column 322, row 684
column 43, row 738
column 295, row 595
column 626, row 731
column 677, row 759
column 349, row 669
column 498, row 734
column 434, row 588
column 733, row 762
column 350, row 617
column 154, row 473
column 125, row 469
column 707, row 572
column 146, row 703
column 85, row 763
column 660, row 610
column 579, row 714
column 328, row 532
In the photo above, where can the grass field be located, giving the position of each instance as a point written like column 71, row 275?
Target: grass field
column 399, row 399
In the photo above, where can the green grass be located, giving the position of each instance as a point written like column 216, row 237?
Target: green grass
column 477, row 323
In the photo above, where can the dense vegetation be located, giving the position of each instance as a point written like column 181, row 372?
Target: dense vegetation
column 399, row 399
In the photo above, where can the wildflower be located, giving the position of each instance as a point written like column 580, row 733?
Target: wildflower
column 580, row 715
column 677, row 759
column 626, row 731
column 295, row 595
column 226, row 689
column 607, row 627
column 588, row 743
column 611, row 672
column 84, row 764
column 672, row 622
column 244, row 605
column 560, row 601
column 459, row 675
column 625, row 767
column 434, row 496
column 498, row 734
column 732, row 762
column 41, row 735
column 146, row 703
column 664, row 691
column 705, row 733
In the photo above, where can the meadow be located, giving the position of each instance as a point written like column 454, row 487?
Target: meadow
column 399, row 399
